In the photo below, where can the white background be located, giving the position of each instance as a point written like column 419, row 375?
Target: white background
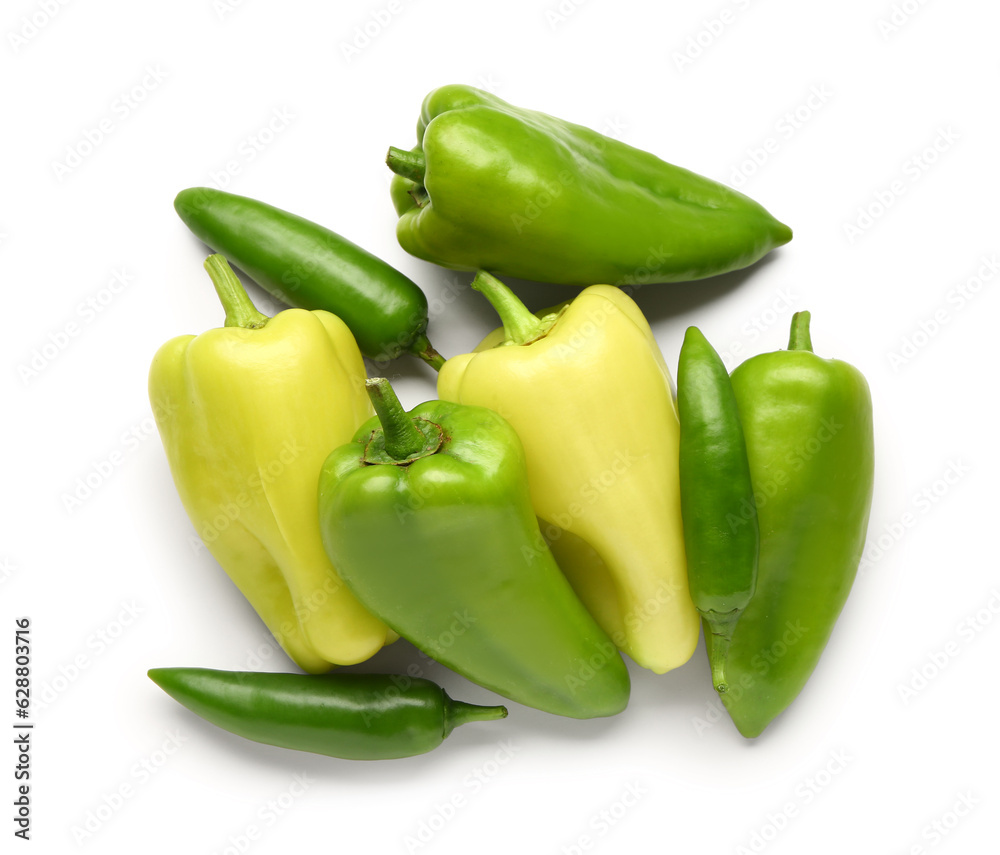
column 113, row 586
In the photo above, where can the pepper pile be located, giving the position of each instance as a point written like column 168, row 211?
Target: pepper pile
column 557, row 506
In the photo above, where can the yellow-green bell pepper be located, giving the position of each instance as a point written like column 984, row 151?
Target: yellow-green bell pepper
column 247, row 414
column 587, row 390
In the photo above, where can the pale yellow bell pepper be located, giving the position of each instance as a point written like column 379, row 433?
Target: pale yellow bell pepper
column 586, row 388
column 247, row 414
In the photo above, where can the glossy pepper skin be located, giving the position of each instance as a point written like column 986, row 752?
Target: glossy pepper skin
column 351, row 716
column 428, row 519
column 519, row 193
column 808, row 427
column 721, row 536
column 247, row 413
column 586, row 388
column 310, row 267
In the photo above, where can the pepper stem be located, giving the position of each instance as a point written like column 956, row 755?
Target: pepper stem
column 409, row 164
column 519, row 325
column 240, row 311
column 402, row 439
column 422, row 347
column 799, row 338
column 720, row 625
column 457, row 713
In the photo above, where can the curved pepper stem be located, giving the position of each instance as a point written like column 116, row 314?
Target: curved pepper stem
column 402, row 439
column 240, row 311
column 409, row 164
column 422, row 347
column 799, row 338
column 721, row 626
column 457, row 713
column 519, row 325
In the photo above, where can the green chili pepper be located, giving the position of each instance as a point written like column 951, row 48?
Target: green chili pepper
column 495, row 187
column 717, row 503
column 428, row 520
column 352, row 716
column 308, row 266
column 809, row 439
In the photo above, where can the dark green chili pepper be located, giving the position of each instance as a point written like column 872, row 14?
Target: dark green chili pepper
column 308, row 266
column 717, row 505
column 352, row 716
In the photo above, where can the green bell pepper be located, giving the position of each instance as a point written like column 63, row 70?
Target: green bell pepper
column 428, row 518
column 809, row 440
column 512, row 191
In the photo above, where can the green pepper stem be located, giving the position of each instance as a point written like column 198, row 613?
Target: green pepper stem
column 799, row 338
column 457, row 713
column 422, row 347
column 519, row 325
column 720, row 652
column 240, row 311
column 402, row 439
column 720, row 627
column 409, row 164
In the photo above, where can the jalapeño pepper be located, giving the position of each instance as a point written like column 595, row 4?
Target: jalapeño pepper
column 352, row 716
column 717, row 504
column 310, row 267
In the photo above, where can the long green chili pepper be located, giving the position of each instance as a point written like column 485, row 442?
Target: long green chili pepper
column 352, row 716
column 308, row 266
column 721, row 536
